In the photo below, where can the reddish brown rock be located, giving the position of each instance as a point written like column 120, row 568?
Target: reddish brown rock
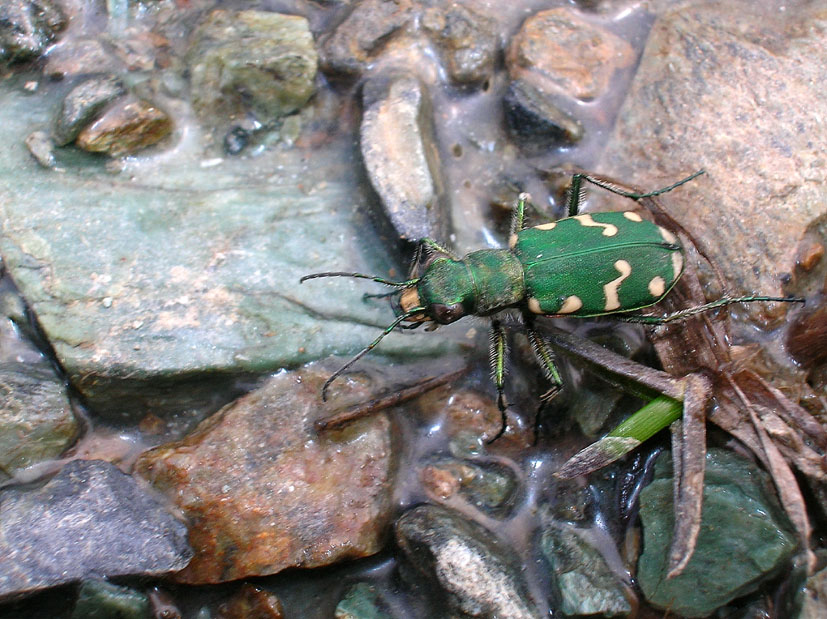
column 128, row 126
column 263, row 492
column 252, row 602
column 559, row 51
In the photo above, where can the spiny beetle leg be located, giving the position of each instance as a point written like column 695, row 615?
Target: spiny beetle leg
column 518, row 220
column 575, row 194
column 692, row 311
column 499, row 351
column 546, row 359
column 432, row 245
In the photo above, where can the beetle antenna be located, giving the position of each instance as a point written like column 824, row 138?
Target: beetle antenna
column 374, row 278
column 369, row 347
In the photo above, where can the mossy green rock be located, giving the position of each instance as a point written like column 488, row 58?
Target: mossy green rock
column 257, row 58
column 744, row 537
column 586, row 583
column 147, row 281
column 99, row 599
column 36, row 420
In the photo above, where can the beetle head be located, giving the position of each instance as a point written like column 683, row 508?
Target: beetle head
column 445, row 291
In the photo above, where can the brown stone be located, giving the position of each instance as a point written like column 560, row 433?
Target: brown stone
column 125, row 128
column 734, row 89
column 263, row 492
column 559, row 51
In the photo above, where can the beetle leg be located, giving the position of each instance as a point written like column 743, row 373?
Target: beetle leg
column 432, row 245
column 499, row 350
column 692, row 311
column 546, row 359
column 575, row 194
column 518, row 220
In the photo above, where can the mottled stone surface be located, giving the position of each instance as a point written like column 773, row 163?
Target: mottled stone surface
column 36, row 421
column 98, row 599
column 399, row 153
column 252, row 602
column 147, row 281
column 466, row 40
column 90, row 519
column 813, row 597
column 362, row 601
column 363, row 34
column 489, row 487
column 263, row 493
column 538, row 120
column 744, row 537
column 557, row 51
column 462, row 562
column 582, row 576
column 736, row 89
column 27, row 27
column 257, row 60
column 82, row 104
column 128, row 126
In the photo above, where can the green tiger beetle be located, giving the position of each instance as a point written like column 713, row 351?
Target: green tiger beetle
column 584, row 265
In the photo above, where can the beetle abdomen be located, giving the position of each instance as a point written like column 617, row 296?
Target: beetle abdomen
column 597, row 263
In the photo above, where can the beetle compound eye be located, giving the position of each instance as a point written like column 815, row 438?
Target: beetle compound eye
column 445, row 314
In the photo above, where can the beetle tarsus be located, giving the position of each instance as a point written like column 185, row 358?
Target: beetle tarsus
column 502, row 405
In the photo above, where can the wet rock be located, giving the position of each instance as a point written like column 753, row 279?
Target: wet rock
column 78, row 57
column 537, row 120
column 252, row 602
column 463, row 563
column 582, row 576
column 83, row 104
column 27, row 27
column 251, row 60
column 126, row 127
column 466, row 39
column 557, row 52
column 89, row 519
column 462, row 413
column 41, row 147
column 401, row 158
column 813, row 597
column 489, row 486
column 363, row 34
column 98, row 599
column 263, row 493
column 145, row 283
column 162, row 605
column 744, row 538
column 807, row 336
column 362, row 601
column 36, row 420
column 706, row 95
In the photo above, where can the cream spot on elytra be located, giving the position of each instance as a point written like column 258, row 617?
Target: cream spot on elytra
column 657, row 286
column 677, row 264
column 548, row 226
column 586, row 220
column 632, row 216
column 610, row 289
column 571, row 304
column 667, row 236
column 534, row 306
